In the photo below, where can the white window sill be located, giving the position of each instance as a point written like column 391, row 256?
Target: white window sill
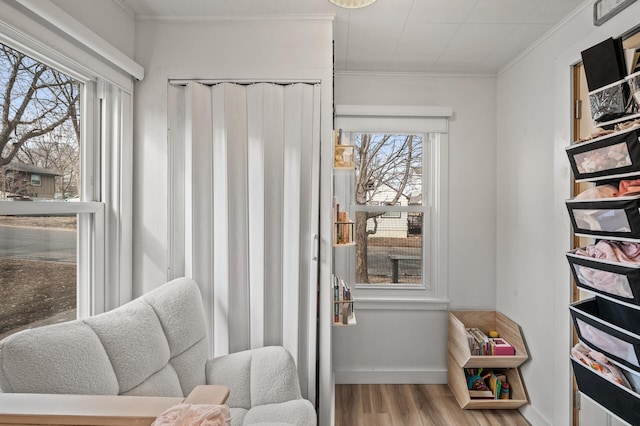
column 400, row 303
column 390, row 287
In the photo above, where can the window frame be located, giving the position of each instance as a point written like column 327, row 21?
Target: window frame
column 423, row 208
column 432, row 123
column 104, row 245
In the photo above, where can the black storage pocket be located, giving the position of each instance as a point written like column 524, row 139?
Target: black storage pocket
column 613, row 154
column 609, row 328
column 620, row 281
column 621, row 401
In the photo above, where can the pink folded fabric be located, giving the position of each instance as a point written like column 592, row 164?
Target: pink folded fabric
column 614, row 251
column 599, row 363
column 628, row 187
column 194, row 415
column 602, row 191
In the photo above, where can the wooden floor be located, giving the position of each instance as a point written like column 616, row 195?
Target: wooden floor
column 412, row 405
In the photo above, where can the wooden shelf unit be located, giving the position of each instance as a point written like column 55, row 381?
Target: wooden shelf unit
column 458, row 386
column 351, row 320
column 459, row 357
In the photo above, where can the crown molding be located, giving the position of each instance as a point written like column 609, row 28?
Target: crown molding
column 547, row 35
column 364, row 73
column 300, row 17
column 124, row 6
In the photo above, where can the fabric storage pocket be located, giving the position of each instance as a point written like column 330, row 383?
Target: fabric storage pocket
column 609, row 102
column 634, row 86
column 606, row 217
column 609, row 328
column 613, row 154
column 621, row 401
column 620, row 281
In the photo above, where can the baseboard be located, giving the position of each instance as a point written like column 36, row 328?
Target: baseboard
column 427, row 377
column 533, row 416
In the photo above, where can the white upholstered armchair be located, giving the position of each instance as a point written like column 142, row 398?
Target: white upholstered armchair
column 155, row 345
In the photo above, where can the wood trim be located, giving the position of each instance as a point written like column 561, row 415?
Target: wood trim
column 208, row 394
column 96, row 410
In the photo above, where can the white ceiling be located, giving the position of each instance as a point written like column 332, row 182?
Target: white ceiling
column 434, row 36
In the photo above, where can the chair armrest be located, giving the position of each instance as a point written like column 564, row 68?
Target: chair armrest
column 208, row 394
column 93, row 410
column 256, row 377
column 65, row 409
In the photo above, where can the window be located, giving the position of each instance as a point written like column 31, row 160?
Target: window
column 398, row 197
column 388, row 176
column 58, row 249
column 38, row 260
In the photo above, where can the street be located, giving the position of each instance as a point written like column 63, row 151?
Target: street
column 38, row 244
column 380, row 264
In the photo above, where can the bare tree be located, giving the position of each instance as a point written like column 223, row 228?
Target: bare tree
column 384, row 163
column 34, row 100
column 12, row 183
column 56, row 150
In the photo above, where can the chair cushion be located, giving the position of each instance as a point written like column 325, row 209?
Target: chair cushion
column 237, row 416
column 298, row 412
column 190, row 366
column 274, row 376
column 134, row 341
column 233, row 371
column 178, row 306
column 61, row 358
column 154, row 346
column 163, row 383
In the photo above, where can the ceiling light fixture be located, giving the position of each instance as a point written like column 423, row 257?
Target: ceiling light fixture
column 352, row 4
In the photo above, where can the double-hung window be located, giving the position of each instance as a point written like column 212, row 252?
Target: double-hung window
column 397, row 196
column 65, row 185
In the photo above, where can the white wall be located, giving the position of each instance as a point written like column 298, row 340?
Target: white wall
column 533, row 180
column 410, row 345
column 263, row 50
column 236, row 50
column 105, row 18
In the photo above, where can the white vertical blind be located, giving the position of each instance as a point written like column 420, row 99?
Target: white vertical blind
column 256, row 196
column 219, row 212
column 251, row 214
column 198, row 195
column 291, row 217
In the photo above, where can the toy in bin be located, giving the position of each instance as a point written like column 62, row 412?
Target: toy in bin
column 487, row 384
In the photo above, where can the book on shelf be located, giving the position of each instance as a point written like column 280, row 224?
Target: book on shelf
column 342, row 301
column 481, row 345
column 342, row 225
column 495, row 385
column 478, row 342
